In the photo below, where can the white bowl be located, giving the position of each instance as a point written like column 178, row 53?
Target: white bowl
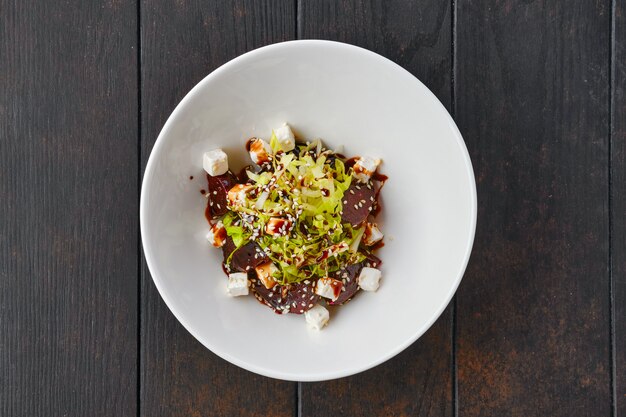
column 347, row 96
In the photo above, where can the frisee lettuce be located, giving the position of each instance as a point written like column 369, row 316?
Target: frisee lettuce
column 307, row 189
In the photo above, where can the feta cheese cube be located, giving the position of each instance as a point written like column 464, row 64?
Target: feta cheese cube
column 237, row 194
column 217, row 235
column 264, row 273
column 372, row 234
column 364, row 168
column 328, row 288
column 284, row 136
column 237, row 284
column 259, row 150
column 317, row 317
column 215, row 162
column 369, row 279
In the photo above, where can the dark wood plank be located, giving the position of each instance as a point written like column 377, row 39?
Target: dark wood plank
column 416, row 35
column 618, row 204
column 68, row 228
column 181, row 43
column 532, row 85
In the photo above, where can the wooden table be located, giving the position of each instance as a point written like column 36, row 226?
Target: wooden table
column 538, row 89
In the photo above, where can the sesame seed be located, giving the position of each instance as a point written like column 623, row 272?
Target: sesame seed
column 312, row 297
column 356, row 207
column 358, row 188
column 306, row 281
column 369, row 208
column 215, row 192
column 363, row 201
column 369, row 186
column 343, row 289
column 303, row 304
column 211, row 203
column 352, row 192
column 360, row 204
column 345, row 202
column 219, row 207
column 293, row 305
column 270, row 295
column 310, row 305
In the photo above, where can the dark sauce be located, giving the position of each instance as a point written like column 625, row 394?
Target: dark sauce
column 242, row 176
column 350, row 162
column 377, row 245
column 248, row 142
column 207, row 213
column 190, row 177
column 376, row 209
column 380, row 177
column 203, row 192
column 224, row 269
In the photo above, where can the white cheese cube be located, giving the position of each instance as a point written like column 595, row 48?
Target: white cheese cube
column 285, row 137
column 364, row 168
column 260, row 151
column 237, row 284
column 217, row 235
column 369, row 279
column 328, row 288
column 317, row 317
column 372, row 234
column 215, row 162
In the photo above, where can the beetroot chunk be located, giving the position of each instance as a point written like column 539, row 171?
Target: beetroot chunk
column 349, row 277
column 247, row 257
column 228, row 247
column 218, row 193
column 292, row 298
column 358, row 202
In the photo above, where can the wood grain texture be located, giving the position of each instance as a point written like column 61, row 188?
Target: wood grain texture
column 618, row 204
column 68, row 218
column 183, row 41
column 416, row 35
column 533, row 312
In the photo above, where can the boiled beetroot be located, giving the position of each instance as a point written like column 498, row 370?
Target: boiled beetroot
column 358, row 201
column 218, row 193
column 349, row 277
column 292, row 298
column 249, row 256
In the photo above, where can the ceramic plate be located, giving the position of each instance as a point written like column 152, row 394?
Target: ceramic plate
column 349, row 97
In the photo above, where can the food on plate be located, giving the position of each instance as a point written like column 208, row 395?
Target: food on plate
column 297, row 228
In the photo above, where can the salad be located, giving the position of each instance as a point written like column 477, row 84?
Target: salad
column 298, row 227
